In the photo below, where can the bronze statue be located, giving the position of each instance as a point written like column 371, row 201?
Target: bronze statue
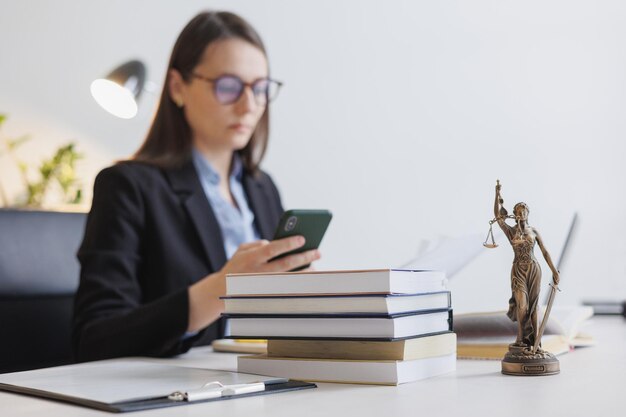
column 525, row 356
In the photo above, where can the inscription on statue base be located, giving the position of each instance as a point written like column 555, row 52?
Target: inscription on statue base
column 520, row 361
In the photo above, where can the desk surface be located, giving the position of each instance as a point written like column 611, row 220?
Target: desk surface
column 590, row 384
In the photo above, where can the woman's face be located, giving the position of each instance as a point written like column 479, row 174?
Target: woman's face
column 218, row 127
column 521, row 213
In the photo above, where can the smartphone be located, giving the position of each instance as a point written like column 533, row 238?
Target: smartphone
column 311, row 224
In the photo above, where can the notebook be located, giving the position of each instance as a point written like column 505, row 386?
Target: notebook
column 121, row 385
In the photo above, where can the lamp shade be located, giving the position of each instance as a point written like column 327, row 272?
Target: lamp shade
column 119, row 91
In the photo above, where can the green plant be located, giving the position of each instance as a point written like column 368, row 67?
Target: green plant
column 57, row 171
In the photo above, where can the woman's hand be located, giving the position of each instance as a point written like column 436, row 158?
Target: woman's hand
column 257, row 256
column 205, row 305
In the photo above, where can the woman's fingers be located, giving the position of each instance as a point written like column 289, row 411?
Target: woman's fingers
column 280, row 246
column 258, row 256
column 254, row 244
column 293, row 261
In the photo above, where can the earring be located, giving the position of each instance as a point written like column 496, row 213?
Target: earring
column 179, row 102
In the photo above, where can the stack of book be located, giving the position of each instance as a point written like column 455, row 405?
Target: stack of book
column 373, row 327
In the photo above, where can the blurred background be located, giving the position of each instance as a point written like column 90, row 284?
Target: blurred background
column 397, row 116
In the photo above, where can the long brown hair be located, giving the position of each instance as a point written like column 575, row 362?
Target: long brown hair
column 168, row 143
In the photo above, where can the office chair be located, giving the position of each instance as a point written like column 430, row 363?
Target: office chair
column 38, row 278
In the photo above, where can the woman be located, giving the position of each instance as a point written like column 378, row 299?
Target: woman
column 526, row 272
column 190, row 207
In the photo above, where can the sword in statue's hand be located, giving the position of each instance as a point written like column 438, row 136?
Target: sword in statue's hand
column 554, row 287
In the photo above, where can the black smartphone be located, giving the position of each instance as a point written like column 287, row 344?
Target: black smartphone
column 311, row 224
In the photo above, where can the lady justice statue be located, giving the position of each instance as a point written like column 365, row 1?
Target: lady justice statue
column 525, row 356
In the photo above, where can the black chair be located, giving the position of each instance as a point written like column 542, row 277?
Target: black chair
column 38, row 278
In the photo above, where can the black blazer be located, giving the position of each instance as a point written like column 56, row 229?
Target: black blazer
column 151, row 233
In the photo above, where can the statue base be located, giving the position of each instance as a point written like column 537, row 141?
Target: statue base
column 520, row 361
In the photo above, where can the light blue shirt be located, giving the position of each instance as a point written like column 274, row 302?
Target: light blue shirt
column 236, row 223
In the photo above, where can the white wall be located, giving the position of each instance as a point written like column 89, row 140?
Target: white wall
column 398, row 116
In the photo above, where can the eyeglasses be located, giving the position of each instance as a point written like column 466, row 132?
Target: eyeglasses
column 229, row 88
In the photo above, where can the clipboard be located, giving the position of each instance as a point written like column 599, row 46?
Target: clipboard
column 124, row 385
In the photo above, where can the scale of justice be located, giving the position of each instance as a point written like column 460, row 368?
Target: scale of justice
column 525, row 356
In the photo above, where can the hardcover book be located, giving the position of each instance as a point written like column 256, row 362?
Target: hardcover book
column 381, row 281
column 400, row 350
column 348, row 371
column 337, row 304
column 365, row 326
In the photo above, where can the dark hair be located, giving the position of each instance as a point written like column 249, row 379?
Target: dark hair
column 520, row 206
column 168, row 143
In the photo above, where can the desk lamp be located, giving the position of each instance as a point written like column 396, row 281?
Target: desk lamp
column 119, row 91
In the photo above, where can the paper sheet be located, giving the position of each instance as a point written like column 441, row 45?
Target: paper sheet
column 449, row 254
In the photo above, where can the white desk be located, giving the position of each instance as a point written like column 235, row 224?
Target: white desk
column 590, row 385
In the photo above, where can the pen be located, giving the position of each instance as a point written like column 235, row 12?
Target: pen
column 215, row 389
column 243, row 388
